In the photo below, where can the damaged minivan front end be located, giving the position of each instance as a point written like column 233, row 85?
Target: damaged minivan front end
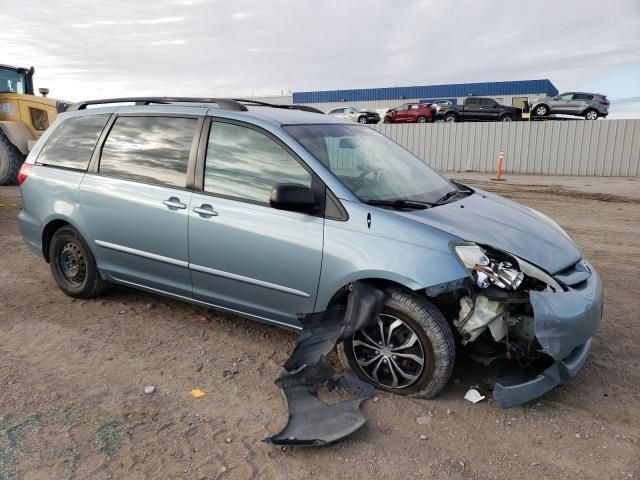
column 512, row 310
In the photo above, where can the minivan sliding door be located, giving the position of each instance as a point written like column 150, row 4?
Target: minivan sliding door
column 135, row 203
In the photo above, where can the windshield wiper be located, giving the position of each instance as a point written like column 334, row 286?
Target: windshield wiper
column 460, row 189
column 400, row 204
column 447, row 196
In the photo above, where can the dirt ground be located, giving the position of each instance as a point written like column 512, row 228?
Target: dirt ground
column 72, row 375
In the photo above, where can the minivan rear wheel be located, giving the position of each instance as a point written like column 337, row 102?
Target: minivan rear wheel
column 409, row 350
column 73, row 265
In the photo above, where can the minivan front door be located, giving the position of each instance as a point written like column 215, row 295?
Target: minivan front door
column 135, row 206
column 244, row 255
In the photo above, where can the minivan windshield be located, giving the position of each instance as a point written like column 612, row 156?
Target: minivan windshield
column 373, row 167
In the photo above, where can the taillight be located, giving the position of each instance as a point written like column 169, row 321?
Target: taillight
column 24, row 173
column 604, row 102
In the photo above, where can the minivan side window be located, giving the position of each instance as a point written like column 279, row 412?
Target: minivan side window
column 71, row 144
column 149, row 150
column 245, row 164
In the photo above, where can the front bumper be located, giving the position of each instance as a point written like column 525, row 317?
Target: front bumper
column 565, row 323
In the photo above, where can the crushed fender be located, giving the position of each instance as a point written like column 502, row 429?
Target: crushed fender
column 311, row 421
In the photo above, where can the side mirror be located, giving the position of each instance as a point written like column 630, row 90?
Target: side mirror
column 293, row 197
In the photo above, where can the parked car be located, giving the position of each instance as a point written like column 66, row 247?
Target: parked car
column 272, row 213
column 591, row 106
column 440, row 104
column 410, row 113
column 355, row 115
column 479, row 109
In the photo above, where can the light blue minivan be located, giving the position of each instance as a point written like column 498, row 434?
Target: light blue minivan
column 271, row 212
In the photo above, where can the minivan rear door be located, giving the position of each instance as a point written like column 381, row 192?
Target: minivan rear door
column 246, row 256
column 134, row 201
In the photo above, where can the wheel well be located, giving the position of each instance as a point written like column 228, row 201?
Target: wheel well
column 47, row 234
column 341, row 295
column 448, row 303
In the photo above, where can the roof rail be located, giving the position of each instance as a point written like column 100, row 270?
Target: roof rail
column 304, row 108
column 224, row 103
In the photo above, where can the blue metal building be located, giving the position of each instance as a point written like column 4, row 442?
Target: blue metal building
column 455, row 90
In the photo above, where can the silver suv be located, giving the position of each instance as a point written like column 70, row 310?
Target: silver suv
column 274, row 214
column 591, row 106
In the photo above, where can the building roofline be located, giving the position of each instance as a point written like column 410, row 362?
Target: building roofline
column 515, row 87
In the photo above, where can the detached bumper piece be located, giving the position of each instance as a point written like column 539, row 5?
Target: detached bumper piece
column 311, row 421
column 565, row 323
column 560, row 372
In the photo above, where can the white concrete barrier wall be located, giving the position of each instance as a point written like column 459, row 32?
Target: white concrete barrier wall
column 596, row 148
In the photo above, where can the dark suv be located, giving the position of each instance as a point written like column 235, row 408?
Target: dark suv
column 410, row 113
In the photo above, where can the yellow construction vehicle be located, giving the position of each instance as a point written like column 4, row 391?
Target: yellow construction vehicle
column 23, row 118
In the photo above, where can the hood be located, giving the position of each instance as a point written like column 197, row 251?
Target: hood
column 491, row 220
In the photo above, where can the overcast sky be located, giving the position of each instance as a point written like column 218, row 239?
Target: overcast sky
column 90, row 49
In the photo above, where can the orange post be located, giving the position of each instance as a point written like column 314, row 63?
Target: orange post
column 499, row 170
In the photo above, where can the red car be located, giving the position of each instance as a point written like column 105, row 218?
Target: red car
column 410, row 113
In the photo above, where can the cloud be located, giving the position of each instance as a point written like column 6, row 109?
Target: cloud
column 144, row 21
column 241, row 15
column 212, row 48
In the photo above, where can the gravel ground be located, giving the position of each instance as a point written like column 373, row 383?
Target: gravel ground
column 73, row 373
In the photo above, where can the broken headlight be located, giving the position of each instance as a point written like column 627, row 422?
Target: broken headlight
column 487, row 271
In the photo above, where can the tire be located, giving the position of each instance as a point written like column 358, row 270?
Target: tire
column 387, row 120
column 362, row 120
column 506, row 118
column 591, row 114
column 73, row 265
column 541, row 110
column 10, row 161
column 421, row 120
column 434, row 343
column 450, row 118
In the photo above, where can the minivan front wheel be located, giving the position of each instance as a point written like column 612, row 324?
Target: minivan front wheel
column 73, row 265
column 409, row 350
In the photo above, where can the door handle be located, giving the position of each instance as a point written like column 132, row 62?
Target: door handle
column 174, row 202
column 206, row 210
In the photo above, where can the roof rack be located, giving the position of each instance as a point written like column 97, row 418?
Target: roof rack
column 304, row 108
column 225, row 103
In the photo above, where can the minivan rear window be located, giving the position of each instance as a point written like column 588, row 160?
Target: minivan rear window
column 71, row 144
column 149, row 149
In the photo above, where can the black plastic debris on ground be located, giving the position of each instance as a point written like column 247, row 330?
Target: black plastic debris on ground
column 311, row 421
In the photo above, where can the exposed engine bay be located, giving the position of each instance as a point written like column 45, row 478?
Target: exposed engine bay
column 495, row 316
